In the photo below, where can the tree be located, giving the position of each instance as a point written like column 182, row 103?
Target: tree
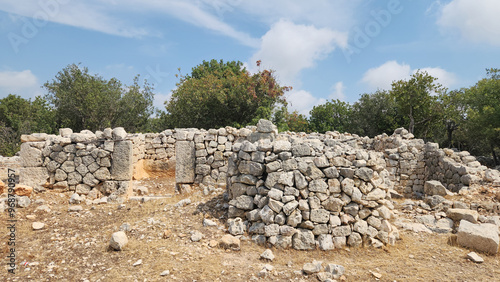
column 85, row 101
column 219, row 93
column 374, row 114
column 286, row 121
column 21, row 116
column 333, row 115
column 416, row 98
column 483, row 114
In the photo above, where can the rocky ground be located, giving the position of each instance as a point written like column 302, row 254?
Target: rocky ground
column 167, row 240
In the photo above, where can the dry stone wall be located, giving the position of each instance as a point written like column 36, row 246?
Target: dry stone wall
column 349, row 176
column 85, row 162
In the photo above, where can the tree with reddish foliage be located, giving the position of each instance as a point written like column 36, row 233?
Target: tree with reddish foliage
column 218, row 94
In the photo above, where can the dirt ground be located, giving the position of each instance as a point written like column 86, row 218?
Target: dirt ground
column 73, row 246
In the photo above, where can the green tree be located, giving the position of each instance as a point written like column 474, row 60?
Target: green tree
column 374, row 114
column 286, row 121
column 416, row 98
column 219, row 93
column 21, row 116
column 85, row 101
column 453, row 108
column 483, row 114
column 333, row 115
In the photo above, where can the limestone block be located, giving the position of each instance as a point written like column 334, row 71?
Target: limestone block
column 30, row 156
column 122, row 165
column 34, row 177
column 480, row 237
column 433, row 187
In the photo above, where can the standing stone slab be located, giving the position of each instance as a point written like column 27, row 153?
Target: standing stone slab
column 185, row 162
column 122, row 165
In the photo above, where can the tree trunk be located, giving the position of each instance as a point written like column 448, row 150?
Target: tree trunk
column 495, row 158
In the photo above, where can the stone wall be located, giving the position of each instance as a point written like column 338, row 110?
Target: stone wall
column 309, row 190
column 108, row 160
column 85, row 162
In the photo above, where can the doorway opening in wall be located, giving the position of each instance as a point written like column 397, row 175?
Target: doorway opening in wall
column 154, row 177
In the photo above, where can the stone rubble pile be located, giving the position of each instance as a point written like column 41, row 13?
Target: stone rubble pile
column 302, row 192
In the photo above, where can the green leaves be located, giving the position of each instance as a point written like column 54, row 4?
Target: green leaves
column 84, row 101
column 333, row 115
column 217, row 94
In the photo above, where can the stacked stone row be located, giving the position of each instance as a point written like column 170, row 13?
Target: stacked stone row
column 158, row 146
column 212, row 149
column 455, row 170
column 305, row 192
column 77, row 162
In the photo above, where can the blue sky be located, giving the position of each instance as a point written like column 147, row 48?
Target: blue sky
column 323, row 49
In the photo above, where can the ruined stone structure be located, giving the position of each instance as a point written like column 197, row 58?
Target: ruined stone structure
column 291, row 189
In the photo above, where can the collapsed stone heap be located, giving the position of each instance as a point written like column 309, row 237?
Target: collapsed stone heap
column 299, row 191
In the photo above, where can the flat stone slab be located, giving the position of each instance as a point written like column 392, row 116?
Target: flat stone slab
column 480, row 237
column 459, row 214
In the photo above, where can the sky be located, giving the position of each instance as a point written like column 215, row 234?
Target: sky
column 325, row 50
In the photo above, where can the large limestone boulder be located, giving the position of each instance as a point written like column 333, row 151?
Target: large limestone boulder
column 480, row 237
column 433, row 187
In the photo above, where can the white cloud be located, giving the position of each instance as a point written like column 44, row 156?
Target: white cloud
column 113, row 17
column 92, row 15
column 23, row 83
column 159, row 101
column 382, row 77
column 447, row 79
column 289, row 48
column 302, row 101
column 477, row 21
column 338, row 91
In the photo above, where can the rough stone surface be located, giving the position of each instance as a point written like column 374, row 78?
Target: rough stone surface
column 185, row 162
column 433, row 187
column 462, row 214
column 122, row 166
column 118, row 241
column 480, row 237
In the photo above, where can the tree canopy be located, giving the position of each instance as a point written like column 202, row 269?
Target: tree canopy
column 85, row 101
column 219, row 93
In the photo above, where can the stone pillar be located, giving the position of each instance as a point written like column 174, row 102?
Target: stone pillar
column 122, row 161
column 185, row 160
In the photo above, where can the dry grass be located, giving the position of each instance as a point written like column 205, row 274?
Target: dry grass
column 77, row 245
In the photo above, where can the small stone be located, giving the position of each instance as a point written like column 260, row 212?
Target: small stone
column 23, row 190
column 167, row 233
column 75, row 209
column 376, row 275
column 230, row 242
column 38, row 225
column 118, row 240
column 139, row 262
column 311, row 268
column 475, row 257
column 196, row 236
column 182, row 203
column 267, row 254
column 208, row 222
column 165, row 273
